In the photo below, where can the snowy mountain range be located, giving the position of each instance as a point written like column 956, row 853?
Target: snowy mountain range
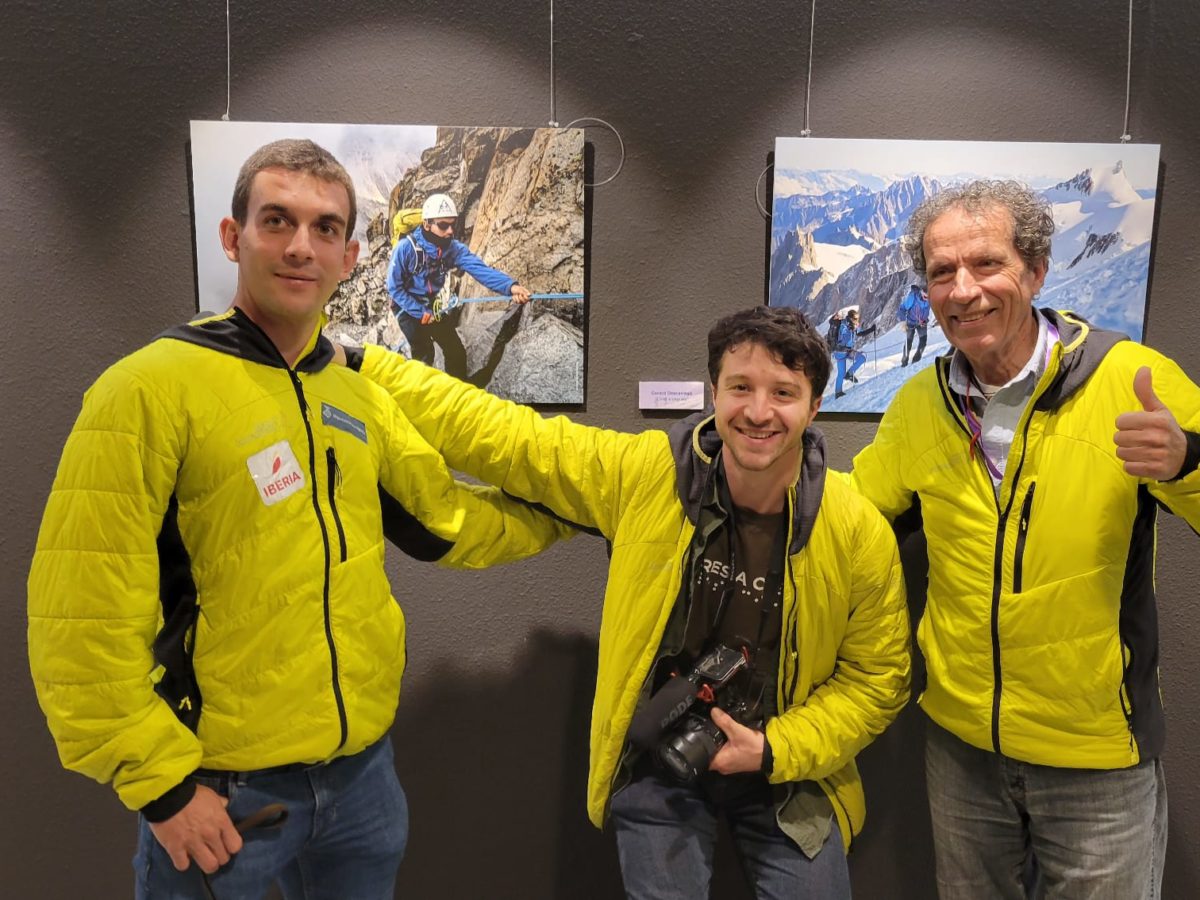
column 841, row 248
column 1099, row 258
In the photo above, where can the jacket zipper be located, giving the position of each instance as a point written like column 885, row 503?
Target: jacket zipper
column 312, row 470
column 791, row 625
column 1002, row 522
column 791, row 693
column 997, row 674
column 335, row 481
column 1022, row 531
column 832, row 792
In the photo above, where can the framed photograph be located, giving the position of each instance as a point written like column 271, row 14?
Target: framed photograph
column 840, row 207
column 511, row 203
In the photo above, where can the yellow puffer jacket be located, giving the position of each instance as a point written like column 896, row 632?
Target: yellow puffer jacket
column 275, row 473
column 844, row 661
column 1040, row 631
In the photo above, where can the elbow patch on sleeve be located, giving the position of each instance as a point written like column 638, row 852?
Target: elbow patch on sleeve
column 403, row 529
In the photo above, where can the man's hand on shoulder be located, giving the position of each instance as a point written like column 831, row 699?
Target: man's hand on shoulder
column 1150, row 441
column 339, row 354
column 202, row 831
column 743, row 752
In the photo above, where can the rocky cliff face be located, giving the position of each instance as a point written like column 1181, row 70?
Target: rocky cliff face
column 795, row 275
column 520, row 200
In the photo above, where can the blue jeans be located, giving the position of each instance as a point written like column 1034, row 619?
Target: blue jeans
column 344, row 837
column 667, row 832
column 840, row 358
column 1097, row 834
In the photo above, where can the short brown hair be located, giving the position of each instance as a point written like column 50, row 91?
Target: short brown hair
column 295, row 155
column 785, row 332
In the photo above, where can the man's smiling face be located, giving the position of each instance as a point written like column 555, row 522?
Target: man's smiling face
column 981, row 290
column 292, row 251
column 762, row 408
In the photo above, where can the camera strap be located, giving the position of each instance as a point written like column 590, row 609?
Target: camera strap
column 772, row 593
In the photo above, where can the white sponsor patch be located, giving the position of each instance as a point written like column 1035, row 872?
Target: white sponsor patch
column 276, row 473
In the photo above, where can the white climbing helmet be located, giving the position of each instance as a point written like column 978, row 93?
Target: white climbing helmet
column 439, row 206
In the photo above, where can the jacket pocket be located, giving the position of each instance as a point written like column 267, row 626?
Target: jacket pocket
column 1022, row 532
column 334, row 480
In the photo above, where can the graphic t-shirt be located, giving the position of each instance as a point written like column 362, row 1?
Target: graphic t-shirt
column 736, row 600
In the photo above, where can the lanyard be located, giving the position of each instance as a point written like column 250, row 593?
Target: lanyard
column 975, row 426
column 975, row 423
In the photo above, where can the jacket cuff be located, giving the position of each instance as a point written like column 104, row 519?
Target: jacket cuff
column 1191, row 459
column 768, row 761
column 171, row 802
column 354, row 357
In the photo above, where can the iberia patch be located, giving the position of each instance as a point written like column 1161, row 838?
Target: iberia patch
column 276, row 473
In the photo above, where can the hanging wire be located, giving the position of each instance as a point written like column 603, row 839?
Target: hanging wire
column 553, row 111
column 228, row 54
column 806, row 131
column 1126, row 137
column 608, row 125
column 762, row 209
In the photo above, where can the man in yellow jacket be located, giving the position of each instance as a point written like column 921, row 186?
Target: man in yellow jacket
column 741, row 577
column 210, row 626
column 1040, row 630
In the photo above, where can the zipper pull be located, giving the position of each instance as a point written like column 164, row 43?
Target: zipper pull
column 1027, row 509
column 299, row 393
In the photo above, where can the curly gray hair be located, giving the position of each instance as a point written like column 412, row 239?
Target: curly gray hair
column 1033, row 225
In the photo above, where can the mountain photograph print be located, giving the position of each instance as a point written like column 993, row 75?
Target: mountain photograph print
column 840, row 207
column 512, row 213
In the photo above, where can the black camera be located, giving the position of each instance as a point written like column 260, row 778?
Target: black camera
column 676, row 722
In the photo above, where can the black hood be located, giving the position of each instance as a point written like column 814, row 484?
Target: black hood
column 696, row 447
column 1084, row 346
column 234, row 333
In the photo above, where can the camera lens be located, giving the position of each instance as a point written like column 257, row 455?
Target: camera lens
column 688, row 754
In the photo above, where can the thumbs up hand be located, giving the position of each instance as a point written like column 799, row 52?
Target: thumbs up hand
column 1150, row 441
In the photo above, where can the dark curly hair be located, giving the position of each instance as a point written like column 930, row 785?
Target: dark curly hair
column 786, row 333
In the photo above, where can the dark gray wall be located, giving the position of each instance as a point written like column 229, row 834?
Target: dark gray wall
column 95, row 253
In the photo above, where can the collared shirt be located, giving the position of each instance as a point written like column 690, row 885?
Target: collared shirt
column 995, row 421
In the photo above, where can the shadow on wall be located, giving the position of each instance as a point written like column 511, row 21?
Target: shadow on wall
column 893, row 857
column 495, row 768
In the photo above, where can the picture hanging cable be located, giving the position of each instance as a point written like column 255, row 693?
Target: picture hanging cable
column 1125, row 135
column 812, row 25
column 553, row 113
column 805, row 131
column 621, row 143
column 762, row 209
column 228, row 53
